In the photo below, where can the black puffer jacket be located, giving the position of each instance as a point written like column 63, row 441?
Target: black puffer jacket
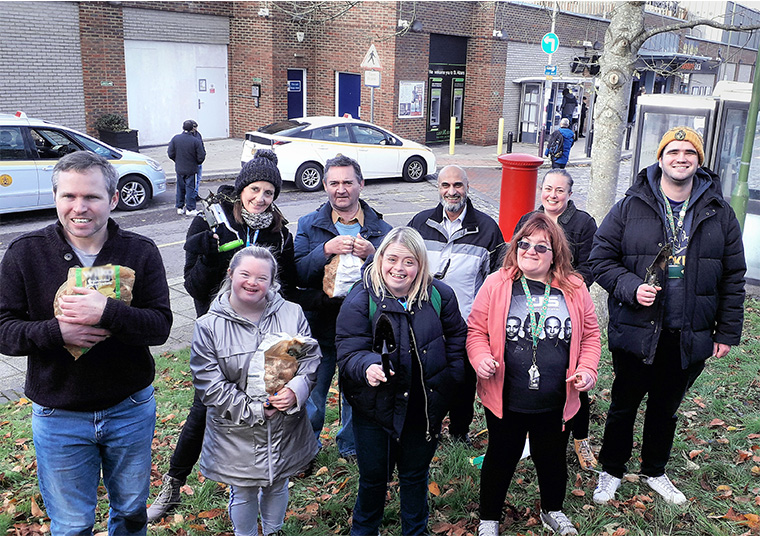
column 579, row 228
column 627, row 243
column 439, row 345
column 206, row 267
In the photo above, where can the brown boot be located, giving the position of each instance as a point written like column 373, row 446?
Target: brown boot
column 585, row 454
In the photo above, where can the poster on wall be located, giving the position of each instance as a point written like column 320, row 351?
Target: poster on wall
column 411, row 95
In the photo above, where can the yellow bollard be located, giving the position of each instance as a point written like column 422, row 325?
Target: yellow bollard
column 501, row 137
column 453, row 131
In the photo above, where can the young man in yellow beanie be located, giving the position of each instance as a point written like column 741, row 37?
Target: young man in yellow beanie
column 670, row 255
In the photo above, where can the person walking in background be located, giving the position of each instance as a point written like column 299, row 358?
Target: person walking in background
column 187, row 152
column 253, row 219
column 579, row 228
column 255, row 439
column 94, row 415
column 464, row 246
column 671, row 257
column 582, row 121
column 561, row 139
column 345, row 227
column 569, row 104
column 531, row 390
column 400, row 340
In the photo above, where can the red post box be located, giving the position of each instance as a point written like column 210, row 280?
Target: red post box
column 519, row 175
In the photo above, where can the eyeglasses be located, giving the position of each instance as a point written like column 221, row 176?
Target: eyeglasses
column 540, row 249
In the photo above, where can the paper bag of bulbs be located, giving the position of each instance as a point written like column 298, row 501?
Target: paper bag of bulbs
column 280, row 353
column 113, row 281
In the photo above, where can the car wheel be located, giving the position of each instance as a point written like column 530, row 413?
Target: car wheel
column 309, row 177
column 414, row 169
column 134, row 193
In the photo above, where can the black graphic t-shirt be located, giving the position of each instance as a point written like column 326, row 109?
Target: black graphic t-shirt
column 552, row 353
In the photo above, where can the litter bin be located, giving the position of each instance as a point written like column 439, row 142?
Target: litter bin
column 519, row 175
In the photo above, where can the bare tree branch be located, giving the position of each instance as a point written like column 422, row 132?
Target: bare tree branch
column 641, row 39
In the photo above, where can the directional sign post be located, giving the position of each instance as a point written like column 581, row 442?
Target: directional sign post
column 550, row 43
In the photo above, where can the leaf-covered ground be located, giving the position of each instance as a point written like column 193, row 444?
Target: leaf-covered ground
column 715, row 461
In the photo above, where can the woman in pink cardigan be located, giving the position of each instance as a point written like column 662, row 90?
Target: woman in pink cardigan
column 533, row 341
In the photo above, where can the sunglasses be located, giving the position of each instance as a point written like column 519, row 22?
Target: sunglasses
column 540, row 249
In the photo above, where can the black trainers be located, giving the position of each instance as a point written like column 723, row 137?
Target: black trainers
column 167, row 500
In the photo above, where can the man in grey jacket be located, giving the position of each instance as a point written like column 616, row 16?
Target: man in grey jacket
column 464, row 246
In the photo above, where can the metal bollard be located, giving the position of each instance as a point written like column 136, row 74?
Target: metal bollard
column 510, row 139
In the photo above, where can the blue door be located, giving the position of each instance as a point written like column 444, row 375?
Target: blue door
column 296, row 93
column 349, row 94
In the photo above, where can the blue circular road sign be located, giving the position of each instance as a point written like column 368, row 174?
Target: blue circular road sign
column 550, row 43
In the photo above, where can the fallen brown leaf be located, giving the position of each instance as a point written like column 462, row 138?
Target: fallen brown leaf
column 620, row 531
column 434, row 489
column 578, row 492
column 694, row 453
column 211, row 514
column 716, row 423
column 36, row 511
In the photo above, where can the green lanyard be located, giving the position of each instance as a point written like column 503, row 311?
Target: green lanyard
column 675, row 228
column 535, row 325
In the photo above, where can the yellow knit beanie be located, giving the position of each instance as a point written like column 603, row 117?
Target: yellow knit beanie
column 683, row 133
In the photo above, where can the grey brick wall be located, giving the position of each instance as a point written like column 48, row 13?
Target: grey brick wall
column 150, row 25
column 40, row 61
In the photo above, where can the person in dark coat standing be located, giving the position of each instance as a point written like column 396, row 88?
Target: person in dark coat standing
column 187, row 152
column 399, row 407
column 674, row 223
column 569, row 103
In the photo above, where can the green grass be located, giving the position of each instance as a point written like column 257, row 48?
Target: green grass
column 719, row 417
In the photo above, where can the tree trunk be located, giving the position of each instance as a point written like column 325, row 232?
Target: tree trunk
column 611, row 106
column 611, row 118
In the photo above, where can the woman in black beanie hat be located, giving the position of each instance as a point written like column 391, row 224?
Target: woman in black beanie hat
column 251, row 213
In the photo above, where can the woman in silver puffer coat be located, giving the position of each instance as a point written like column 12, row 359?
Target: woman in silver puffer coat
column 254, row 441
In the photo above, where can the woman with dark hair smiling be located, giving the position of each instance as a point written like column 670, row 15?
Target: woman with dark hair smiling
column 531, row 389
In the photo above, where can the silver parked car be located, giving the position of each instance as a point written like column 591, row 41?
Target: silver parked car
column 29, row 149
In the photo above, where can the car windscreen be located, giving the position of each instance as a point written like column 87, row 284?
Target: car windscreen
column 93, row 146
column 284, row 128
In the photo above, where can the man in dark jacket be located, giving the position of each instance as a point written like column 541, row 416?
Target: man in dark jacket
column 344, row 225
column 663, row 327
column 187, row 152
column 95, row 413
column 464, row 247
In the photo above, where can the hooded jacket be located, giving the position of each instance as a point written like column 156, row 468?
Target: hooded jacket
column 241, row 446
column 487, row 335
column 627, row 243
column 420, row 334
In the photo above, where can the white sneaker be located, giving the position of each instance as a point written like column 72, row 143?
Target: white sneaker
column 191, row 212
column 663, row 486
column 488, row 527
column 180, row 211
column 606, row 488
column 558, row 523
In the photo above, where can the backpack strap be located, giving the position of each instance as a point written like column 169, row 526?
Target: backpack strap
column 435, row 299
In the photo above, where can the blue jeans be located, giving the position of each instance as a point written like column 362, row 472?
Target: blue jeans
column 185, row 192
column 73, row 446
column 247, row 502
column 317, row 402
column 377, row 455
column 198, row 175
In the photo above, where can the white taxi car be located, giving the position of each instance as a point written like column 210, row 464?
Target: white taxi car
column 303, row 145
column 29, row 149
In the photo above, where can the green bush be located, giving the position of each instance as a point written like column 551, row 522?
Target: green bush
column 112, row 122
